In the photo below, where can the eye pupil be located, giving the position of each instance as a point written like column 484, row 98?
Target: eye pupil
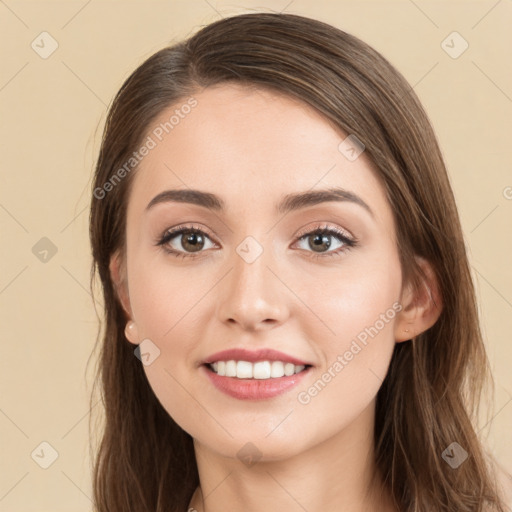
column 192, row 239
column 319, row 239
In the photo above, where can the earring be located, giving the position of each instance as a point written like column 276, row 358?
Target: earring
column 130, row 331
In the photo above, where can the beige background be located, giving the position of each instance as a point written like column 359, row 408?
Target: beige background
column 51, row 112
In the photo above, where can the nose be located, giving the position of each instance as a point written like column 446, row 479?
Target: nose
column 252, row 296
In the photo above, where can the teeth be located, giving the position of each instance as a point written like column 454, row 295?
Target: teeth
column 244, row 370
column 230, row 368
column 289, row 369
column 261, row 370
column 276, row 369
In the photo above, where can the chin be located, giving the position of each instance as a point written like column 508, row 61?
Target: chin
column 253, row 446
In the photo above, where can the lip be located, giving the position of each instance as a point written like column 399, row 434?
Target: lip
column 253, row 389
column 253, row 356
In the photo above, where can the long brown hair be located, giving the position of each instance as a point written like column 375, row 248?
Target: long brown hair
column 431, row 394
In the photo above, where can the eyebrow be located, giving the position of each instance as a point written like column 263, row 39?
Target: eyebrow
column 289, row 203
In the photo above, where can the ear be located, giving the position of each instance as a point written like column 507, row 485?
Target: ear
column 118, row 275
column 421, row 305
column 119, row 279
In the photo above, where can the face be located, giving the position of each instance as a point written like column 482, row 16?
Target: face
column 259, row 273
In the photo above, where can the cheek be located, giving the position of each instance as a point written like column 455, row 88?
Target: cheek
column 164, row 299
column 358, row 312
column 166, row 303
column 361, row 293
column 355, row 363
column 168, row 307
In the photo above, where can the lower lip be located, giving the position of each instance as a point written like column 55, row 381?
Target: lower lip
column 254, row 389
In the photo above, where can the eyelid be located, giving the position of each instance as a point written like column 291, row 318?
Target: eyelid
column 304, row 231
column 170, row 233
column 324, row 225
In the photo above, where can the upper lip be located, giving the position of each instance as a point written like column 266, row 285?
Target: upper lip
column 263, row 354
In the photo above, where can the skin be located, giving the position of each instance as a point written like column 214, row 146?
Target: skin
column 251, row 147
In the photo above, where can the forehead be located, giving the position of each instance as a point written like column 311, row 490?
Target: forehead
column 248, row 145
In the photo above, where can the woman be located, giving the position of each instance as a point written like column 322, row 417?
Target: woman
column 290, row 321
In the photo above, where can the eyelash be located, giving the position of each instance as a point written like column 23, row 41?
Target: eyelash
column 349, row 243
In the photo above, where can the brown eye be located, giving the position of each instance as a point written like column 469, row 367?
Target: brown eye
column 193, row 241
column 319, row 241
column 184, row 241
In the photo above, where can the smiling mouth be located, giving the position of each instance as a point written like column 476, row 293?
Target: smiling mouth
column 260, row 370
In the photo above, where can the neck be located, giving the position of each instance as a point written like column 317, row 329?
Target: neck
column 337, row 474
